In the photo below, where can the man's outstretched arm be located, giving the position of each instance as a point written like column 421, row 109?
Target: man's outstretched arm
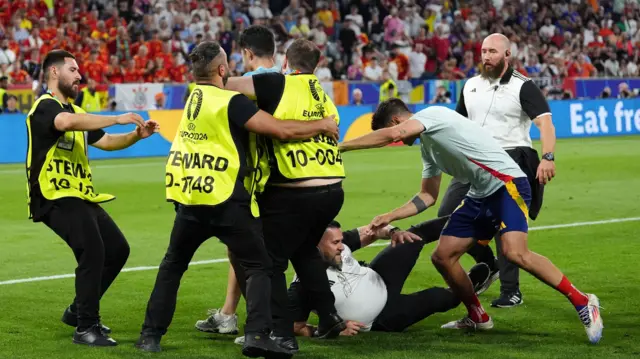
column 384, row 136
column 424, row 199
column 243, row 84
column 360, row 237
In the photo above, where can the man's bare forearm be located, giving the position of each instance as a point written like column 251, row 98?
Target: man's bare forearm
column 374, row 139
column 117, row 142
column 547, row 134
column 301, row 130
column 244, row 85
column 382, row 233
column 418, row 204
column 66, row 121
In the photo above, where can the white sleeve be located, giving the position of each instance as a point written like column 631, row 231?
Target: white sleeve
column 425, row 120
column 429, row 169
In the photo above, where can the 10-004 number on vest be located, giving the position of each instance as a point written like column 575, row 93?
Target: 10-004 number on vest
column 322, row 157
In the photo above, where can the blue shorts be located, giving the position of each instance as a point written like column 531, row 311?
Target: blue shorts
column 506, row 210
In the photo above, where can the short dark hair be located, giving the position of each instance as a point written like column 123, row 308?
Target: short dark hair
column 303, row 55
column 334, row 224
column 202, row 57
column 259, row 39
column 386, row 110
column 54, row 58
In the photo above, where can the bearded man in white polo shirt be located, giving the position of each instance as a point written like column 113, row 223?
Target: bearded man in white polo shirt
column 368, row 296
column 505, row 103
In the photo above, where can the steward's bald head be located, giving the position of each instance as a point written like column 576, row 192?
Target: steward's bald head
column 497, row 41
column 495, row 55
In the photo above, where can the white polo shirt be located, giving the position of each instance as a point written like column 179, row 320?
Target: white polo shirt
column 505, row 107
column 360, row 292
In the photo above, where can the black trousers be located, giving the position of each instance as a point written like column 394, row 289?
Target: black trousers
column 394, row 264
column 294, row 221
column 509, row 272
column 99, row 246
column 233, row 224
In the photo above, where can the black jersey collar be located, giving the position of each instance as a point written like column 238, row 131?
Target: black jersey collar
column 507, row 76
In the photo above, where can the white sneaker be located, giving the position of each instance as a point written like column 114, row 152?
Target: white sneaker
column 468, row 323
column 218, row 323
column 239, row 340
column 591, row 319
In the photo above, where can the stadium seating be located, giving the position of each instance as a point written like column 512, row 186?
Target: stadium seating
column 362, row 40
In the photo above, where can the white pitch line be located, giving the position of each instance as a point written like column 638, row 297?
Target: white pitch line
column 221, row 260
column 132, row 269
column 555, row 226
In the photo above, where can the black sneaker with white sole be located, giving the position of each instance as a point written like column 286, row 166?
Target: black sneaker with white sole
column 508, row 300
column 93, row 336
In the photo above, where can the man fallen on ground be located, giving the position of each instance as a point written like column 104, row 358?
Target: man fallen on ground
column 368, row 296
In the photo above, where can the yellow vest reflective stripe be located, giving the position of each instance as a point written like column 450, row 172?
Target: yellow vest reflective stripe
column 90, row 103
column 66, row 171
column 204, row 162
column 305, row 100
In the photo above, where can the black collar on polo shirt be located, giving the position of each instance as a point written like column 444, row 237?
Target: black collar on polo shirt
column 507, row 76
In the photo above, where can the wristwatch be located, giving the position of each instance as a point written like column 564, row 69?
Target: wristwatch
column 393, row 230
column 548, row 156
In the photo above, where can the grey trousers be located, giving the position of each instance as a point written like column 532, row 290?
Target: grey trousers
column 509, row 272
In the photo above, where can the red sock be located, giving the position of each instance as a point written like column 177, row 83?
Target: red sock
column 476, row 312
column 577, row 298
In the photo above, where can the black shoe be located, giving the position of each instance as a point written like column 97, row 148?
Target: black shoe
column 330, row 327
column 479, row 275
column 93, row 337
column 261, row 345
column 495, row 274
column 71, row 319
column 149, row 343
column 287, row 343
column 508, row 300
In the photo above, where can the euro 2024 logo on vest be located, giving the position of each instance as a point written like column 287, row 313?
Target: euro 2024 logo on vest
column 140, row 97
column 316, row 90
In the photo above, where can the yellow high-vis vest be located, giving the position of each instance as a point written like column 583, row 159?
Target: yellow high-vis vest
column 66, row 171
column 204, row 162
column 386, row 92
column 90, row 103
column 319, row 157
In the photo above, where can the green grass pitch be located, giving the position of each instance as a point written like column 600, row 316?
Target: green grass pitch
column 597, row 180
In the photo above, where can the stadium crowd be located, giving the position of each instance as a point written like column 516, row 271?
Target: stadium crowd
column 366, row 40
